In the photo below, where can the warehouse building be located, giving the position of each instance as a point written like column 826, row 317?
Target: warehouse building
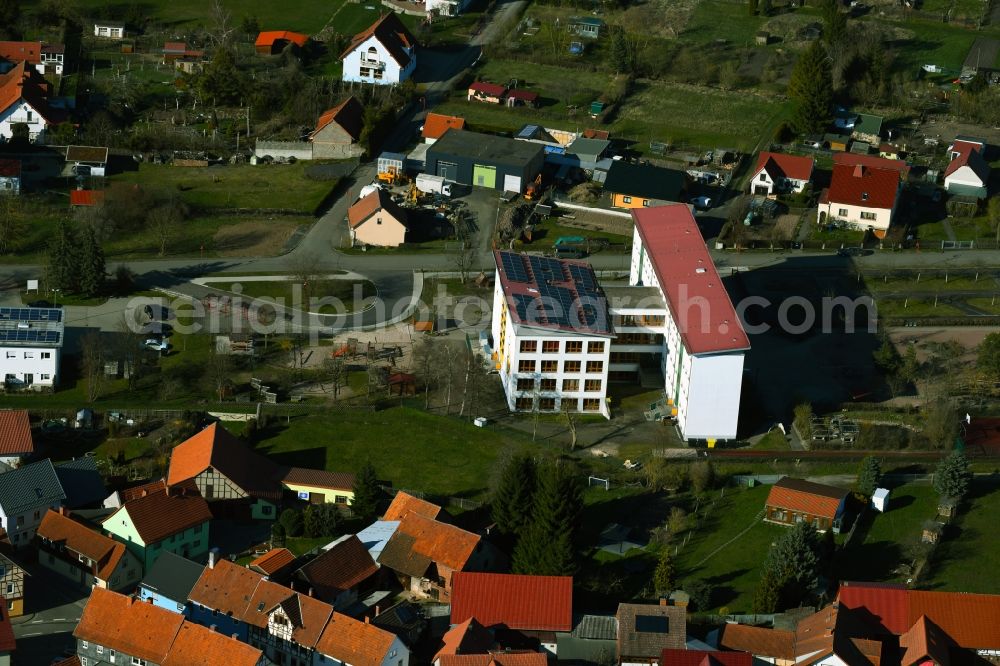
column 484, row 160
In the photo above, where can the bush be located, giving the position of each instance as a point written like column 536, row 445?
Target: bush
column 700, row 594
column 291, row 521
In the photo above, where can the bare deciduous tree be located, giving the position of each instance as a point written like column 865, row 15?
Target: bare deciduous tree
column 569, row 414
column 336, row 374
column 222, row 24
column 465, row 258
column 92, row 362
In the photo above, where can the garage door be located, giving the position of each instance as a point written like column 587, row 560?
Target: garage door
column 484, row 176
column 511, row 183
column 448, row 170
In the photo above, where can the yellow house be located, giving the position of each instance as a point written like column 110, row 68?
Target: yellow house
column 643, row 185
column 319, row 487
column 376, row 220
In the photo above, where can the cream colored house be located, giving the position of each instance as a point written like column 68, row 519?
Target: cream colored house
column 861, row 197
column 376, row 220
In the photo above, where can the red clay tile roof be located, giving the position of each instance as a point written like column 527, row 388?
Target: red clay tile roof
column 273, row 560
column 392, row 34
column 526, row 95
column 25, row 83
column 469, row 637
column 924, row 640
column 596, row 134
column 495, row 659
column 970, row 155
column 488, row 89
column 196, row 645
column 10, row 168
column 534, row 603
column 686, row 271
column 403, row 503
column 814, row 499
column 134, row 627
column 162, row 513
column 215, row 447
column 30, row 52
column 68, row 661
column 349, row 114
column 307, row 615
column 269, row 37
column 346, row 565
column 354, row 642
column 141, row 490
column 671, row 657
column 854, row 159
column 442, row 543
column 226, row 588
column 85, row 197
column 15, row 432
column 375, row 201
column 319, row 478
column 788, row 166
column 758, row 641
column 863, row 186
column 104, row 550
column 7, row 641
column 436, row 124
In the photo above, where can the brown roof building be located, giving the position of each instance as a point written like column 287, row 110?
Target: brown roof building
column 404, row 502
column 793, row 501
column 351, row 641
column 273, row 562
column 86, row 557
column 337, row 575
column 376, row 220
column 646, row 630
column 16, row 443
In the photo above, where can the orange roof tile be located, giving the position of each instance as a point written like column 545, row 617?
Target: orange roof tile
column 469, row 637
column 15, row 432
column 537, row 603
column 215, row 447
column 495, row 659
column 104, row 550
column 441, row 543
column 349, row 114
column 758, row 641
column 269, row 37
column 85, row 197
column 436, row 124
column 25, row 83
column 367, row 206
column 344, row 566
column 136, row 628
column 924, row 640
column 30, row 52
column 319, row 478
column 307, row 615
column 781, row 164
column 811, row 498
column 196, row 645
column 354, row 642
column 403, row 503
column 273, row 560
column 141, row 490
column 162, row 513
column 391, row 33
column 226, row 587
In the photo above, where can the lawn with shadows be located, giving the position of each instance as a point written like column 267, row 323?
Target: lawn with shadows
column 971, row 546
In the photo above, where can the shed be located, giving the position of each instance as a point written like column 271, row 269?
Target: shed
column 521, row 98
column 274, row 41
column 485, row 160
column 880, row 499
column 932, row 531
column 762, row 37
column 587, row 26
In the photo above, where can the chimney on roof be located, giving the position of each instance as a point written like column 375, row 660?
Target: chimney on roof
column 63, row 511
column 368, row 620
column 167, row 489
column 310, row 592
column 378, row 610
column 663, row 601
column 212, row 627
column 859, row 171
column 211, row 559
column 149, row 601
column 236, row 637
column 143, row 492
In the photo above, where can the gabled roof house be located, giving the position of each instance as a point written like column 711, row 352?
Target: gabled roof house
column 24, row 95
column 797, row 500
column 338, row 130
column 376, row 220
column 646, row 630
column 778, row 172
column 861, row 197
column 385, row 53
column 338, row 574
column 84, row 556
column 16, row 443
column 643, row 185
column 436, row 124
column 26, row 494
column 968, row 173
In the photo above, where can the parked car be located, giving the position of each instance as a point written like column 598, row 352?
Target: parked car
column 701, row 203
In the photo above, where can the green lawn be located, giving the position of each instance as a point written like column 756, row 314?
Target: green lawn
column 549, row 231
column 916, row 307
column 772, row 441
column 281, row 186
column 835, row 237
column 931, row 42
column 307, row 16
column 353, row 18
column 963, row 228
column 409, row 448
column 291, row 292
column 715, row 19
column 989, row 305
column 971, row 547
column 929, row 281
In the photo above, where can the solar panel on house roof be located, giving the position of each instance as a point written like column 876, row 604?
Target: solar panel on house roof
column 29, row 335
column 31, row 314
column 513, row 266
column 527, row 132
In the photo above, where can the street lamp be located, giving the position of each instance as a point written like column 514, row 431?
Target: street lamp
column 55, row 298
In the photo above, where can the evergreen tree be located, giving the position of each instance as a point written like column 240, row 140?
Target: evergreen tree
column 618, row 53
column 277, row 535
column 869, row 475
column 767, row 592
column 953, row 476
column 513, row 498
column 10, row 13
column 221, row 82
column 548, row 546
column 834, row 21
column 988, row 359
column 291, row 521
column 330, row 520
column 811, row 90
column 312, row 521
column 663, row 576
column 367, row 493
column 63, row 259
column 794, row 561
column 92, row 267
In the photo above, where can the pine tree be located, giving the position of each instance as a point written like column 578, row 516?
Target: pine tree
column 548, row 545
column 367, row 493
column 291, row 520
column 794, row 562
column 869, row 475
column 811, row 90
column 834, row 21
column 767, row 592
column 514, row 495
column 312, row 521
column 63, row 259
column 619, row 51
column 663, row 576
column 92, row 267
column 953, row 476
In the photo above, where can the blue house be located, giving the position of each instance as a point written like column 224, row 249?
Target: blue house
column 170, row 581
column 221, row 595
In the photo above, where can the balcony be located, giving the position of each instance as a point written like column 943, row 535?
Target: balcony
column 372, row 64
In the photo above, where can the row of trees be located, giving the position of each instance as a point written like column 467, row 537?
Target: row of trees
column 75, row 261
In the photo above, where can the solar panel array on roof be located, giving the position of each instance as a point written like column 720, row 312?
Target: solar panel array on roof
column 513, row 266
column 584, row 278
column 527, row 132
column 29, row 335
column 545, row 268
column 30, row 314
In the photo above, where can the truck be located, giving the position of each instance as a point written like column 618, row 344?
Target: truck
column 433, row 184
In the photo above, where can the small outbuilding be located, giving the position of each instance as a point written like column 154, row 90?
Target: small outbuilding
column 880, row 499
column 338, row 131
column 10, row 176
column 762, row 37
column 484, row 91
column 586, row 26
column 270, row 42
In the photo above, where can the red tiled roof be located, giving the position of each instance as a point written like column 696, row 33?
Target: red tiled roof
column 489, row 89
column 174, row 47
column 375, row 201
column 68, row 661
column 436, row 124
column 141, row 490
column 226, row 587
column 496, row 659
column 671, row 657
column 30, row 52
column 308, row 615
column 196, row 645
column 215, row 447
column 162, row 513
column 814, row 499
column 404, row 502
column 863, row 186
column 596, row 134
column 526, row 95
column 15, row 432
column 535, row 603
column 134, row 627
column 351, row 641
column 780, row 164
column 758, row 641
column 85, row 197
column 469, row 637
column 103, row 550
column 319, row 478
column 687, row 275
column 25, row 83
column 273, row 560
column 348, row 114
column 269, row 37
column 854, row 159
column 343, row 567
column 441, row 543
column 970, row 155
column 7, row 641
column 392, row 34
column 10, row 168
column 924, row 640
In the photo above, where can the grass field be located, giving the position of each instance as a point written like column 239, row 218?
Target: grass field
column 916, row 307
column 276, row 186
column 963, row 228
column 715, row 19
column 439, row 456
column 306, row 16
column 928, row 282
column 971, row 546
column 291, row 292
column 930, row 42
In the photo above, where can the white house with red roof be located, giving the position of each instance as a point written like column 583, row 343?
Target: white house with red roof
column 968, row 173
column 861, row 196
column 385, row 53
column 24, row 101
column 777, row 173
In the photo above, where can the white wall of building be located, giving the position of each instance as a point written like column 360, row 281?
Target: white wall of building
column 42, row 363
column 710, row 395
column 22, row 112
column 853, row 215
column 764, row 179
column 963, row 176
column 391, row 71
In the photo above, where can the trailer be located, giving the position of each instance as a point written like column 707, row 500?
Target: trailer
column 432, row 184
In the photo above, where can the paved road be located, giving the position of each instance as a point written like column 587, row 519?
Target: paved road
column 53, row 609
